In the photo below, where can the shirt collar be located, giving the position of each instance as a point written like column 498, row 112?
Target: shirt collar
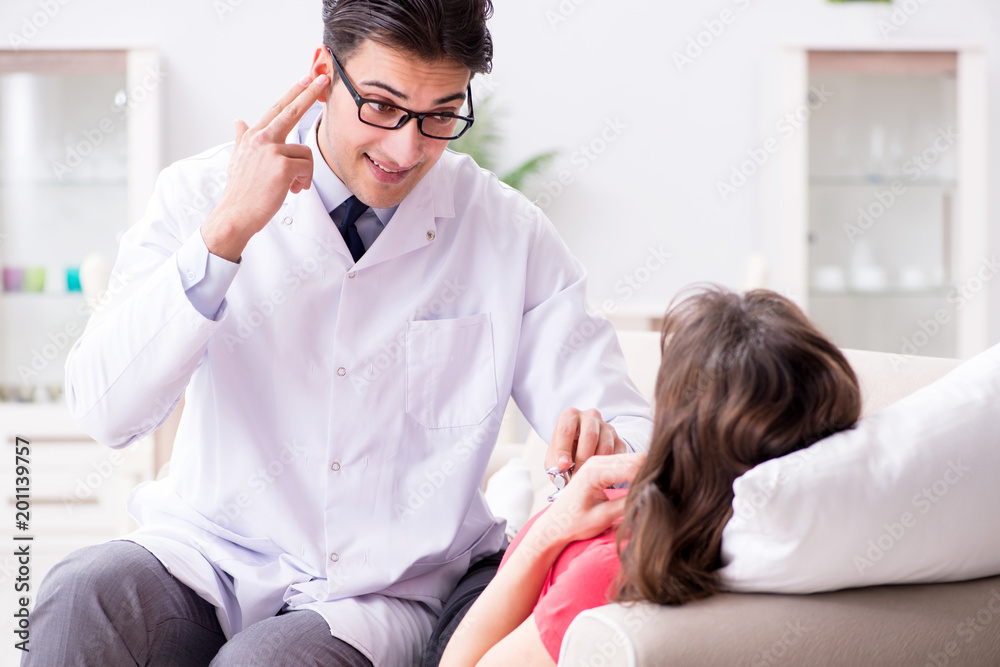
column 332, row 191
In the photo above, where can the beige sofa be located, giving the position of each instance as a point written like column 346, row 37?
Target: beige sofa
column 933, row 625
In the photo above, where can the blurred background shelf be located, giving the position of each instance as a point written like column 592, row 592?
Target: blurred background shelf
column 78, row 159
column 79, row 154
column 882, row 201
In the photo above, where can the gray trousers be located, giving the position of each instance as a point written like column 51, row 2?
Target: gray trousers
column 115, row 604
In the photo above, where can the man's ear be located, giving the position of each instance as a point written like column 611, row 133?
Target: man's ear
column 323, row 64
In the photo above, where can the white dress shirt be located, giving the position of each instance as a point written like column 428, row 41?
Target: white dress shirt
column 339, row 417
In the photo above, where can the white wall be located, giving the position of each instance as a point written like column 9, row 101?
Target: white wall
column 564, row 70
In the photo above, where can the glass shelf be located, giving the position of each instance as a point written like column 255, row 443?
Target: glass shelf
column 66, row 183
column 69, row 296
column 929, row 292
column 881, row 179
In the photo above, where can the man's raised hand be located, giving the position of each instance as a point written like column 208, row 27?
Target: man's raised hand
column 262, row 171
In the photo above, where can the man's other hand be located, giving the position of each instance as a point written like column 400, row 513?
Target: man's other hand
column 580, row 434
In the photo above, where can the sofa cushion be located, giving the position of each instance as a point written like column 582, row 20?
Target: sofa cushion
column 885, row 626
column 907, row 496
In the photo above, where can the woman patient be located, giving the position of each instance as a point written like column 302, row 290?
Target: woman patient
column 742, row 379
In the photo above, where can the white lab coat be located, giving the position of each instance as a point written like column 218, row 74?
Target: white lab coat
column 339, row 417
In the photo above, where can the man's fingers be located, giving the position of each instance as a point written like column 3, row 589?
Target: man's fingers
column 283, row 101
column 620, row 446
column 300, row 169
column 282, row 123
column 590, row 435
column 606, row 440
column 241, row 129
column 298, row 185
column 563, row 446
column 296, row 151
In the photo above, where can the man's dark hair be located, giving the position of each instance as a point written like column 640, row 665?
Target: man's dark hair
column 429, row 29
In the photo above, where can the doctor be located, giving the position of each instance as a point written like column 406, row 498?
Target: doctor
column 347, row 314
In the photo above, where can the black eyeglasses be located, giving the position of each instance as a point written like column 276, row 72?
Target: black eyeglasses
column 387, row 116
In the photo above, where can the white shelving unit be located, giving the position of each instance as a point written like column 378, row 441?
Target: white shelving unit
column 78, row 490
column 881, row 201
column 79, row 155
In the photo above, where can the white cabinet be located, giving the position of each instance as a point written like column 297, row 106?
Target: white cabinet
column 77, row 495
column 880, row 200
column 79, row 154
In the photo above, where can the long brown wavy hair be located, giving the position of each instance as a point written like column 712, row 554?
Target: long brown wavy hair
column 742, row 379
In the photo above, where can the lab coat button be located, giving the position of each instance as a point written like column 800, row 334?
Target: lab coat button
column 430, row 235
column 352, row 274
column 341, row 371
column 335, row 467
column 287, row 220
column 334, row 557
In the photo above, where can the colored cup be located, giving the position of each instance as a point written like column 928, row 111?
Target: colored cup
column 73, row 279
column 34, row 279
column 13, row 279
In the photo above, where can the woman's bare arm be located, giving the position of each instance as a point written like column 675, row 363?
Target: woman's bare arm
column 500, row 618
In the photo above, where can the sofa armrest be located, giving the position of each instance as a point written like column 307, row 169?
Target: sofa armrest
column 929, row 624
column 886, row 378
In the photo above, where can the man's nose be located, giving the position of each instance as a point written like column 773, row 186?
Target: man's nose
column 406, row 145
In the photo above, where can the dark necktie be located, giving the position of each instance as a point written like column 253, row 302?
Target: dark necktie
column 354, row 209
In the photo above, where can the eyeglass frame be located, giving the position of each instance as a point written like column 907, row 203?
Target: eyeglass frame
column 409, row 115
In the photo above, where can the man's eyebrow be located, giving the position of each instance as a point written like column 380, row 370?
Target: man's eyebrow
column 450, row 98
column 392, row 91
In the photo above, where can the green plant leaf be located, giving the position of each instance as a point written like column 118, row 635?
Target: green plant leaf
column 483, row 138
column 516, row 177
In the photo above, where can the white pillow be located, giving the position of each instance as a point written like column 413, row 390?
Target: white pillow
column 910, row 495
column 509, row 494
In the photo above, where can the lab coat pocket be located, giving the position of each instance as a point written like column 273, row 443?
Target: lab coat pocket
column 450, row 372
